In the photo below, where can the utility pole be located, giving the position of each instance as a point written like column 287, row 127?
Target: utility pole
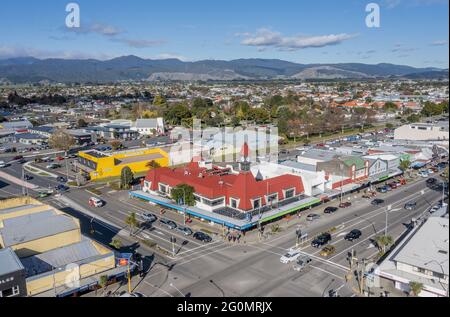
column 173, row 240
column 387, row 214
column 129, row 277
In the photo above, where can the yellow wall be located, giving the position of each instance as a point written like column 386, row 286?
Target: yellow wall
column 48, row 282
column 46, row 244
column 106, row 165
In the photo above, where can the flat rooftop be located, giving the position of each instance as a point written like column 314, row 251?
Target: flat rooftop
column 140, row 158
column 35, row 226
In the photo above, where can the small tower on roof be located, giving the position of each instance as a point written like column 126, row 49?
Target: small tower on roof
column 245, row 158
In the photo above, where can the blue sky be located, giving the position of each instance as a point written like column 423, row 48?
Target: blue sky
column 412, row 32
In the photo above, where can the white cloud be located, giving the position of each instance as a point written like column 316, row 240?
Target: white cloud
column 19, row 51
column 439, row 43
column 268, row 38
column 139, row 43
column 172, row 56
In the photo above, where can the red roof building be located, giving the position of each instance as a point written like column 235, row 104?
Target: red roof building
column 218, row 188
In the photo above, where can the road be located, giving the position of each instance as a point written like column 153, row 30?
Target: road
column 250, row 269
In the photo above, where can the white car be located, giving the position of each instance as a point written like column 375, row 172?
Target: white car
column 95, row 202
column 2, row 164
column 289, row 257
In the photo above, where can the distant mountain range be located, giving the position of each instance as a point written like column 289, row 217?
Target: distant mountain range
column 127, row 68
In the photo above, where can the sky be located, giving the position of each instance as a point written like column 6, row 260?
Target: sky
column 411, row 32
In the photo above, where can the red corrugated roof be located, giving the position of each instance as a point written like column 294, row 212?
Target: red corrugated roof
column 243, row 186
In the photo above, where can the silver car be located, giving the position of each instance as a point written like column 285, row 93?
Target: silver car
column 302, row 262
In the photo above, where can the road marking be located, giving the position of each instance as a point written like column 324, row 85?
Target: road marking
column 328, row 272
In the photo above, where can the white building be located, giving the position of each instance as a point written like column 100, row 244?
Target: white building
column 422, row 132
column 149, row 126
column 422, row 257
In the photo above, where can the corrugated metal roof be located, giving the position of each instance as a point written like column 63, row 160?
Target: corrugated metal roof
column 60, row 258
column 34, row 226
column 15, row 209
column 9, row 262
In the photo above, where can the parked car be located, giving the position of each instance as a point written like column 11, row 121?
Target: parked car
column 289, row 257
column 330, row 210
column 431, row 181
column 96, row 202
column 203, row 237
column 3, row 164
column 434, row 209
column 168, row 223
column 327, row 251
column 185, row 230
column 148, row 217
column 382, row 189
column 344, row 205
column 411, row 206
column 321, row 240
column 312, row 217
column 393, row 185
column 302, row 262
column 353, row 235
column 377, row 202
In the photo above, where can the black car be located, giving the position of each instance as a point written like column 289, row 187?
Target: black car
column 353, row 235
column 377, row 202
column 203, row 237
column 321, row 240
column 61, row 179
column 28, row 177
column 431, row 181
column 61, row 188
column 168, row 223
column 330, row 210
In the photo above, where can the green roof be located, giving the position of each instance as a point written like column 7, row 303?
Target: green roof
column 354, row 160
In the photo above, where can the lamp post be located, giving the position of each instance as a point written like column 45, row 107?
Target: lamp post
column 217, row 286
column 387, row 214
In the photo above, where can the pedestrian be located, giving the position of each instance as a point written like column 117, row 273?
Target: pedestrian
column 229, row 238
column 234, row 239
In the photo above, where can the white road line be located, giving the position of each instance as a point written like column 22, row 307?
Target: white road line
column 328, row 272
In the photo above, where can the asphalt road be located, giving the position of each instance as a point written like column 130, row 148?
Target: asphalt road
column 241, row 270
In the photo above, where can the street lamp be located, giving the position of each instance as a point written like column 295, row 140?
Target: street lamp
column 387, row 214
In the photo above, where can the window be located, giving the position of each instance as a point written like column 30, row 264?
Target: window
column 272, row 197
column 439, row 275
column 14, row 291
column 234, row 203
column 257, row 203
column 162, row 188
column 289, row 193
column 420, row 270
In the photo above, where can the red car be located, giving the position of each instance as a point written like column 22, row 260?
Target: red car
column 346, row 204
column 60, row 158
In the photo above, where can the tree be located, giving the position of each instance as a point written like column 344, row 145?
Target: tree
column 416, row 288
column 126, row 178
column 103, row 281
column 390, row 107
column 81, row 123
column 413, row 118
column 153, row 164
column 116, row 145
column 160, row 100
column 132, row 222
column 383, row 242
column 116, row 244
column 183, row 191
column 61, row 140
column 404, row 165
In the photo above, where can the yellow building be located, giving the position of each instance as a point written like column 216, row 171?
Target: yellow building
column 56, row 257
column 98, row 165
